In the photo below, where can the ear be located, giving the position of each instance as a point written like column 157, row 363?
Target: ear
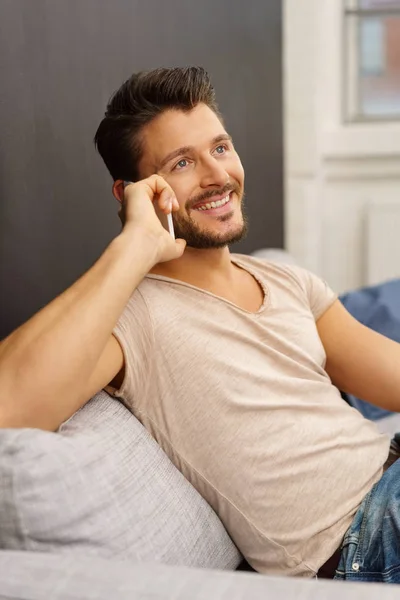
column 118, row 190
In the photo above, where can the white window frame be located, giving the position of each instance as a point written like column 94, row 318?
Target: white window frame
column 338, row 138
column 351, row 59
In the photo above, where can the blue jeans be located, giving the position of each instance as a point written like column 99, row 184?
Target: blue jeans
column 371, row 547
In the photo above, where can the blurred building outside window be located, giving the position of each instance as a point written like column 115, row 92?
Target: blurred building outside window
column 372, row 60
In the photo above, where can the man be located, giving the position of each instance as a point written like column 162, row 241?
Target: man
column 232, row 364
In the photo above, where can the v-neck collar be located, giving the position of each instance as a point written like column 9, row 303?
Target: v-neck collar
column 238, row 263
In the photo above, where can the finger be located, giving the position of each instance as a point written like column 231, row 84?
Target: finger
column 157, row 185
column 165, row 200
column 180, row 246
column 126, row 186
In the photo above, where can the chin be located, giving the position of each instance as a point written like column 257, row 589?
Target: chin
column 202, row 232
column 214, row 239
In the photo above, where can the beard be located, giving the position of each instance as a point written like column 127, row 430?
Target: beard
column 196, row 237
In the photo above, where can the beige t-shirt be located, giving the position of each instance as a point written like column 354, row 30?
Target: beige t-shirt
column 242, row 405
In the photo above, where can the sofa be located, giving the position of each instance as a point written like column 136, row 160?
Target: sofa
column 97, row 510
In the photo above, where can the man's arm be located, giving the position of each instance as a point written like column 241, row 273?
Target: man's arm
column 360, row 361
column 57, row 360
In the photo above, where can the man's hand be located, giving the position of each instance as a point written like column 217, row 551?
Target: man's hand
column 139, row 217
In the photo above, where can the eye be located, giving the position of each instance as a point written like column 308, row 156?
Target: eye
column 221, row 149
column 181, row 164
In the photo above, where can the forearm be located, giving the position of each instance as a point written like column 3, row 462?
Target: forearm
column 52, row 356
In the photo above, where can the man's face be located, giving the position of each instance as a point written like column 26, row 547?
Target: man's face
column 195, row 155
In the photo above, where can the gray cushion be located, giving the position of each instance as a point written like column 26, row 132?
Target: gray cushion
column 103, row 486
column 26, row 576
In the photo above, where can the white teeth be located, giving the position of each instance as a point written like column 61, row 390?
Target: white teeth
column 216, row 204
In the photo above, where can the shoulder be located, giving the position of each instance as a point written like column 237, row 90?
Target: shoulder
column 270, row 270
column 136, row 311
column 299, row 283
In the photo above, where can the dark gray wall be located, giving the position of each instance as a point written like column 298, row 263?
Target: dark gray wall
column 60, row 60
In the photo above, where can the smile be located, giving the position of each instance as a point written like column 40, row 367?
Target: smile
column 214, row 205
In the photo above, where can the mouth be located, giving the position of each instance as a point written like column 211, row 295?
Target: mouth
column 216, row 207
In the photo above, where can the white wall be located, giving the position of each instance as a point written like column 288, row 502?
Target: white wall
column 334, row 171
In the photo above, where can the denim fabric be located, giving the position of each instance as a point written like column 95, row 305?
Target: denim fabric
column 371, row 546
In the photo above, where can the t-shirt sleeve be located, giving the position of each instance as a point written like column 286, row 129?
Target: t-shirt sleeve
column 134, row 333
column 320, row 296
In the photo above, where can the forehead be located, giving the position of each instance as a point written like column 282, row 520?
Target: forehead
column 174, row 129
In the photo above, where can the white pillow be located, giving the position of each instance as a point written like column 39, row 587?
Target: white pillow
column 102, row 486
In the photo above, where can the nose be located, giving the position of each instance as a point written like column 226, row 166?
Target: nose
column 212, row 173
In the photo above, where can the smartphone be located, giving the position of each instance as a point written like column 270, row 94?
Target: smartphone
column 166, row 220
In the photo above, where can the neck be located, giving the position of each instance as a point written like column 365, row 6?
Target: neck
column 197, row 266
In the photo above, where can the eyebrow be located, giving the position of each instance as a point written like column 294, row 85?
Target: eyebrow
column 187, row 149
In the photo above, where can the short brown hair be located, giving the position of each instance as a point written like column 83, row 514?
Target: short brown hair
column 144, row 96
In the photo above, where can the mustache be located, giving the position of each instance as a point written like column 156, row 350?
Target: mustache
column 228, row 188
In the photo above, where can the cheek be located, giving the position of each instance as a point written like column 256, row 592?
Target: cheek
column 182, row 191
column 237, row 170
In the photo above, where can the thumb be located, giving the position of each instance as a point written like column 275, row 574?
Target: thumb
column 180, row 246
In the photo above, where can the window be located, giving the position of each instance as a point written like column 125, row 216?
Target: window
column 372, row 60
